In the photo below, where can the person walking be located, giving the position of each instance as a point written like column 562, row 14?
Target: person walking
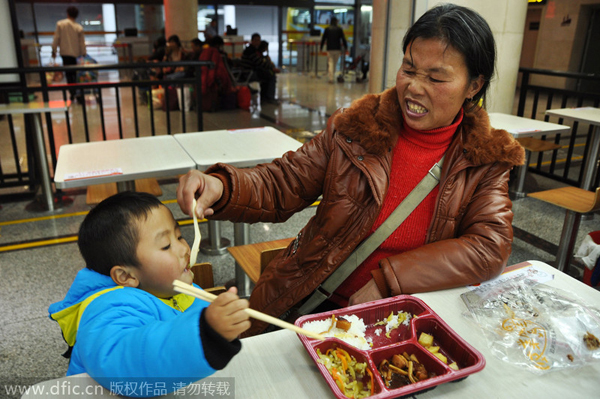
column 336, row 43
column 69, row 37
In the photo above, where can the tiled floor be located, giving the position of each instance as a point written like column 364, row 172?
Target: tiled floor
column 39, row 256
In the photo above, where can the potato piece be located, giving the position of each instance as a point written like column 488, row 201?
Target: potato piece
column 441, row 357
column 343, row 324
column 426, row 340
column 434, row 349
column 453, row 366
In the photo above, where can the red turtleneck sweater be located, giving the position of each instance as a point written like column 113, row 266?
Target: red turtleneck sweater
column 414, row 154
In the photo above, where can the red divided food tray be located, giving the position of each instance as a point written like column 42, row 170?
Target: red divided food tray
column 402, row 339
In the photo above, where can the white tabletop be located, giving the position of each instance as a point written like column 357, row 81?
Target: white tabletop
column 120, row 160
column 584, row 114
column 240, row 147
column 276, row 365
column 33, row 107
column 525, row 127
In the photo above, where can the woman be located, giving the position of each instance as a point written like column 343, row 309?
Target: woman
column 174, row 53
column 367, row 160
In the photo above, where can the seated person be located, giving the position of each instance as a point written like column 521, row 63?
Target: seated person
column 158, row 52
column 216, row 79
column 197, row 45
column 264, row 71
column 121, row 317
column 175, row 52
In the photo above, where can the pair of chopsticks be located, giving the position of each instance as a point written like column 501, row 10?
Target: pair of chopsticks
column 188, row 289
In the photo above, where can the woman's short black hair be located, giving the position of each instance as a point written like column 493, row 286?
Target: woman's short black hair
column 72, row 12
column 216, row 41
column 109, row 233
column 175, row 39
column 466, row 31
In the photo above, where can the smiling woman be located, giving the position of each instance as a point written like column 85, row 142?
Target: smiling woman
column 371, row 157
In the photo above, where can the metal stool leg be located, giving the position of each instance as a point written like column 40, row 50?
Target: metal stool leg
column 567, row 241
column 214, row 244
column 521, row 172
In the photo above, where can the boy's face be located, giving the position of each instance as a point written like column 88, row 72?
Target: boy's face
column 163, row 253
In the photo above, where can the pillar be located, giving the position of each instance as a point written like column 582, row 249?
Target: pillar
column 181, row 19
column 506, row 20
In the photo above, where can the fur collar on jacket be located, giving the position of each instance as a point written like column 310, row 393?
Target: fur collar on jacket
column 375, row 118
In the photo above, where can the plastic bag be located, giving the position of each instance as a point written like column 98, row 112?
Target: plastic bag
column 56, row 76
column 86, row 76
column 185, row 98
column 536, row 327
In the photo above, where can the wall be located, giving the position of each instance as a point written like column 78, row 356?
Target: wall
column 559, row 46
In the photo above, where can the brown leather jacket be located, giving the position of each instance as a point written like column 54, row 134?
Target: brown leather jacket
column 470, row 236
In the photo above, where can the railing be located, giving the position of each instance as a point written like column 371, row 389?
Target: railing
column 535, row 99
column 12, row 174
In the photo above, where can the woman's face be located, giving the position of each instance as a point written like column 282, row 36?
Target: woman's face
column 433, row 83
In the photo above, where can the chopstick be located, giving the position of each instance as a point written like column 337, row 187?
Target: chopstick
column 188, row 289
column 197, row 237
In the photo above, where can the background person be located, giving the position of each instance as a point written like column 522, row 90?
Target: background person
column 69, row 37
column 336, row 43
column 264, row 70
column 211, row 30
column 366, row 161
column 175, row 52
column 122, row 318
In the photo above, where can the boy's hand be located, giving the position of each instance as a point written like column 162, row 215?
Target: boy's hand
column 226, row 315
column 210, row 189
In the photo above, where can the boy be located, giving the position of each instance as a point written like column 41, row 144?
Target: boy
column 124, row 323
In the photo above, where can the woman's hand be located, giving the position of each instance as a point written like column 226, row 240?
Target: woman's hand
column 210, row 190
column 226, row 315
column 368, row 293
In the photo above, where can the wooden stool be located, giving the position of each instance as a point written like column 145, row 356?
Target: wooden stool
column 204, row 278
column 99, row 192
column 575, row 201
column 530, row 145
column 249, row 256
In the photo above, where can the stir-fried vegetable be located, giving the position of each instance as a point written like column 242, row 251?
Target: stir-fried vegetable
column 354, row 379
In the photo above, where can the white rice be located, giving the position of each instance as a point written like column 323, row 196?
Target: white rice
column 355, row 336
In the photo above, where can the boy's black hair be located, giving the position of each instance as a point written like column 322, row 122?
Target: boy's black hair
column 196, row 41
column 109, row 234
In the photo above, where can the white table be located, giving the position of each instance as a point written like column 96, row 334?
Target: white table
column 524, row 127
column 121, row 161
column 276, row 365
column 32, row 112
column 241, row 148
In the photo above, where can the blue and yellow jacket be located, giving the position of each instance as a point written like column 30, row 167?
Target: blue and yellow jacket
column 120, row 334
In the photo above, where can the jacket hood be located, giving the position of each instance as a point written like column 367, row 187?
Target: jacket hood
column 87, row 286
column 375, row 119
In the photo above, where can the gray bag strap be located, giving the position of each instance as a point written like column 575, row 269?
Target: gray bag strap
column 364, row 249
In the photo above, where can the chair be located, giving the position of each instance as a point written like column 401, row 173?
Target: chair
column 576, row 201
column 240, row 75
column 251, row 259
column 531, row 145
column 204, row 278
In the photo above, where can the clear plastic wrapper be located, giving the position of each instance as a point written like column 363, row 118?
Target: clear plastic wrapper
column 536, row 326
